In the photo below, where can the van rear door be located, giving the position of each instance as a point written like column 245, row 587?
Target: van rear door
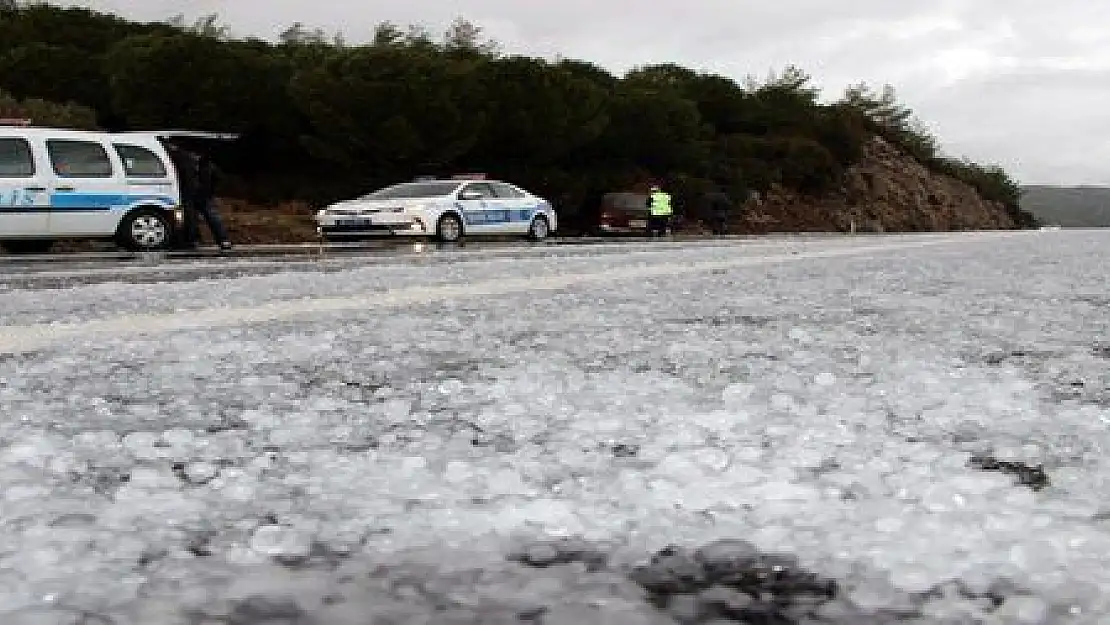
column 24, row 200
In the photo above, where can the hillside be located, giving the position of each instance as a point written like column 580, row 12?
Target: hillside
column 1071, row 207
column 323, row 120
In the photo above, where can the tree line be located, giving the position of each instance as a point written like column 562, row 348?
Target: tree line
column 323, row 119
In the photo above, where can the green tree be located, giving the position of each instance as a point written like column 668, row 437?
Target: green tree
column 656, row 131
column 201, row 69
column 539, row 112
column 389, row 108
column 205, row 26
column 31, row 70
column 463, row 36
column 45, row 113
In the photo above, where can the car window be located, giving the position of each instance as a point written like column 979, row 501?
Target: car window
column 481, row 188
column 79, row 159
column 413, row 190
column 140, row 162
column 15, row 158
column 504, row 190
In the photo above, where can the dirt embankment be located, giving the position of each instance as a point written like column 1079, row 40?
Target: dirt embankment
column 887, row 191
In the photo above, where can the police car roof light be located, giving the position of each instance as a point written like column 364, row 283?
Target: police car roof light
column 468, row 177
column 15, row 121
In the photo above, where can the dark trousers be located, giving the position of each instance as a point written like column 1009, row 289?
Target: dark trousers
column 720, row 224
column 659, row 225
column 194, row 211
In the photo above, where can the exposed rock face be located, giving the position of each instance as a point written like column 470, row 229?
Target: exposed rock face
column 887, row 190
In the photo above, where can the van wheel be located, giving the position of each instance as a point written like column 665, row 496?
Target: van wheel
column 145, row 230
column 540, row 229
column 449, row 228
column 34, row 246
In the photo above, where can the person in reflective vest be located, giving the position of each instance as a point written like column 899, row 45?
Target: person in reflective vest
column 659, row 205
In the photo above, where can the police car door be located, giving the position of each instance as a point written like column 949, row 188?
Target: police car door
column 24, row 201
column 481, row 209
column 519, row 207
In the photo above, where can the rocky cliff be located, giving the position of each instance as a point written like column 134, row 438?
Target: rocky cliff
column 887, row 191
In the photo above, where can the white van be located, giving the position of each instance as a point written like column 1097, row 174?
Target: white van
column 72, row 184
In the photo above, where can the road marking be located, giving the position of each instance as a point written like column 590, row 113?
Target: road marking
column 16, row 339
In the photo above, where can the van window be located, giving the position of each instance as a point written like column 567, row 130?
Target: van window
column 15, row 158
column 79, row 159
column 140, row 162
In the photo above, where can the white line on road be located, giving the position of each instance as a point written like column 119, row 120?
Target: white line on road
column 14, row 339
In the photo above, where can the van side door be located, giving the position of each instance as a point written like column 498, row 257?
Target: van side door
column 24, row 201
column 87, row 191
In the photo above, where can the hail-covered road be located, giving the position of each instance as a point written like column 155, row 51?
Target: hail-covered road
column 828, row 430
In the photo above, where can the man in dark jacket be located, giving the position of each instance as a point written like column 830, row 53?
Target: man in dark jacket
column 720, row 209
column 206, row 203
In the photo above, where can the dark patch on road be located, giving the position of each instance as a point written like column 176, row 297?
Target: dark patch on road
column 1033, row 476
column 995, row 594
column 726, row 321
column 1022, row 355
column 102, row 480
column 543, row 554
column 732, row 580
column 622, row 450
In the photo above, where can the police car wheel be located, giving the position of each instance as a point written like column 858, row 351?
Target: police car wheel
column 449, row 228
column 539, row 229
column 146, row 229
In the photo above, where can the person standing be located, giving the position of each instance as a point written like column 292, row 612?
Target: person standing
column 720, row 209
column 206, row 203
column 661, row 211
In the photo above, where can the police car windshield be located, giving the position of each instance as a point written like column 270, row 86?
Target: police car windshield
column 410, row 190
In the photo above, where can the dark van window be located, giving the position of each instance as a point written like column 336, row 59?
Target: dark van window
column 79, row 159
column 140, row 162
column 15, row 158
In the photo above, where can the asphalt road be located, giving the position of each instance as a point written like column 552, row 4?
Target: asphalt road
column 71, row 269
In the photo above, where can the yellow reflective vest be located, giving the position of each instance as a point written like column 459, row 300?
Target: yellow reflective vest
column 660, row 204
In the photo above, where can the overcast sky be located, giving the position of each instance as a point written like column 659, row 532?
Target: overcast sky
column 1021, row 83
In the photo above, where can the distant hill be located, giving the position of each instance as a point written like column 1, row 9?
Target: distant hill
column 1071, row 207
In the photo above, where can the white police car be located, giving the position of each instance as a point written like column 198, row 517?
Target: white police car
column 447, row 209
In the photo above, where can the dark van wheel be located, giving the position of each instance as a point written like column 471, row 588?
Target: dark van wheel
column 33, row 246
column 145, row 230
column 449, row 228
